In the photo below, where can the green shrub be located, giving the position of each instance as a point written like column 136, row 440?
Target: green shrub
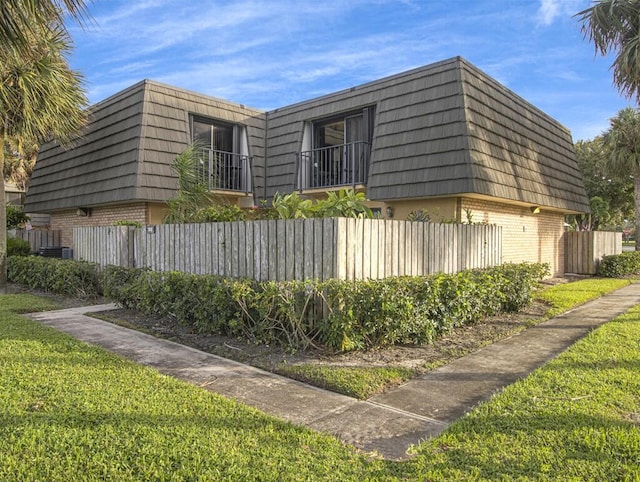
column 18, row 247
column 292, row 206
column 344, row 203
column 119, row 284
column 259, row 213
column 620, row 265
column 128, row 222
column 218, row 214
column 369, row 313
column 63, row 276
column 15, row 216
column 338, row 314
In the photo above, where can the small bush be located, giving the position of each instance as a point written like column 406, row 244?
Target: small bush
column 119, row 284
column 128, row 222
column 620, row 265
column 217, row 214
column 63, row 276
column 18, row 247
column 15, row 217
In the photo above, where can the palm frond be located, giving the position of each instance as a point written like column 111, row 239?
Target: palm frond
column 613, row 26
column 19, row 19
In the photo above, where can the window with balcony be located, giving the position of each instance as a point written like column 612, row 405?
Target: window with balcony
column 336, row 151
column 224, row 159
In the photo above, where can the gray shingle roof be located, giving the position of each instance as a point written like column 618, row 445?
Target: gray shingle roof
column 129, row 146
column 446, row 129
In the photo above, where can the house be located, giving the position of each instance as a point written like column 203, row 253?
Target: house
column 445, row 138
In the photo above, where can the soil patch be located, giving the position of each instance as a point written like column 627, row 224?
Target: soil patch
column 420, row 358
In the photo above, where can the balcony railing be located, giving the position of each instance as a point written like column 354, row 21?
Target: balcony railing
column 341, row 165
column 225, row 171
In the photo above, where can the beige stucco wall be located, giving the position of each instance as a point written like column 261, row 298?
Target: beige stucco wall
column 439, row 210
column 156, row 213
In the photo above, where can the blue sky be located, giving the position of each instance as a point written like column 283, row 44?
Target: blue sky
column 268, row 54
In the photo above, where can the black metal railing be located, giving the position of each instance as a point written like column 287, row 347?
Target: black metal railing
column 341, row 165
column 227, row 171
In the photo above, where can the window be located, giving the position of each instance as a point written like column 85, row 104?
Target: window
column 339, row 131
column 211, row 134
column 340, row 150
column 223, row 164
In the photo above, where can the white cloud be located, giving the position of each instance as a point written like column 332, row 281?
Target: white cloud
column 548, row 11
column 552, row 10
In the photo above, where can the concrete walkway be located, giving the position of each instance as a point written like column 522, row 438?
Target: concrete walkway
column 387, row 424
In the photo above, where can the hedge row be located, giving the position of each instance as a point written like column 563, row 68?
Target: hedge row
column 620, row 265
column 336, row 314
column 63, row 276
column 340, row 315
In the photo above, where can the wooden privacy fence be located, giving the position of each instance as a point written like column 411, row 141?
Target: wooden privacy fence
column 584, row 249
column 105, row 245
column 300, row 249
column 39, row 239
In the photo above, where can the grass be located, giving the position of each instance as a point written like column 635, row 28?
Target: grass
column 26, row 303
column 577, row 418
column 564, row 297
column 75, row 412
column 357, row 382
column 365, row 382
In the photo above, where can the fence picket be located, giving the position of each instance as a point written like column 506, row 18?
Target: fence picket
column 299, row 249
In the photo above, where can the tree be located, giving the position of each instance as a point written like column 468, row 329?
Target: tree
column 20, row 159
column 193, row 190
column 40, row 98
column 622, row 140
column 614, row 27
column 611, row 196
column 21, row 20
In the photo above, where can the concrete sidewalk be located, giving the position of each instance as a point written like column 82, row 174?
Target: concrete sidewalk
column 388, row 423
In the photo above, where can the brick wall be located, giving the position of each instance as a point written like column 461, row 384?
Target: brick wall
column 525, row 236
column 65, row 221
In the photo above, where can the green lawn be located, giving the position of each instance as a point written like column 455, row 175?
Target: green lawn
column 564, row 297
column 74, row 412
column 577, row 418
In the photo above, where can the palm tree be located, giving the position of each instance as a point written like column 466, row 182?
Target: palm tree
column 40, row 98
column 21, row 19
column 623, row 141
column 614, row 27
column 193, row 187
column 19, row 161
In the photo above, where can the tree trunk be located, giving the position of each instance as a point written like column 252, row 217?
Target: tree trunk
column 636, row 192
column 3, row 220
